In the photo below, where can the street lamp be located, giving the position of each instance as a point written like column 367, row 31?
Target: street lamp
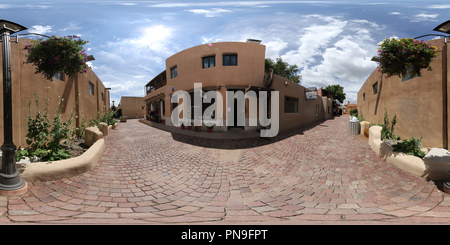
column 444, row 27
column 9, row 175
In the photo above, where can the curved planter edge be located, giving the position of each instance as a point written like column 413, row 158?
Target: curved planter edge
column 49, row 171
column 417, row 166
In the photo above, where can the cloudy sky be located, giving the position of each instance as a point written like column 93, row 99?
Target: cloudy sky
column 332, row 42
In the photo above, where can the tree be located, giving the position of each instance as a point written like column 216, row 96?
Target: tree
column 338, row 92
column 283, row 69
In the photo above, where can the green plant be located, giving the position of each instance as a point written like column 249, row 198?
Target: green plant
column 387, row 130
column 84, row 124
column 38, row 126
column 396, row 57
column 57, row 54
column 44, row 137
column 108, row 117
column 361, row 118
column 410, row 147
column 60, row 131
column 94, row 120
column 354, row 112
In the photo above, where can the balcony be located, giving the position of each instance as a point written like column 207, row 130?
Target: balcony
column 156, row 83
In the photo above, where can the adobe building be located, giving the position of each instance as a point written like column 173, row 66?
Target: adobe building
column 346, row 108
column 421, row 103
column 231, row 66
column 93, row 96
column 130, row 106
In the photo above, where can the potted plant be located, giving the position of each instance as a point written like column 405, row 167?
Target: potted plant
column 58, row 54
column 404, row 57
column 182, row 124
column 123, row 118
column 210, row 126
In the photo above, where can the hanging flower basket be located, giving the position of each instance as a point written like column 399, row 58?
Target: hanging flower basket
column 405, row 57
column 58, row 54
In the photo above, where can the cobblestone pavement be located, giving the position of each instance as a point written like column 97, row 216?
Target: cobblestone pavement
column 313, row 175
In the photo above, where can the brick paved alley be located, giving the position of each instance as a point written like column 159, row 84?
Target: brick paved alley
column 315, row 174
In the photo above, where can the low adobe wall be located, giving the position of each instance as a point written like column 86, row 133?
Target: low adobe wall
column 423, row 168
column 48, row 171
column 56, row 170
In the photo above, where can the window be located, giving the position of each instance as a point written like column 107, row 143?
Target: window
column 173, row 72
column 230, row 60
column 317, row 110
column 290, row 105
column 364, row 96
column 102, row 99
column 408, row 75
column 59, row 76
column 375, row 88
column 209, row 61
column 91, row 88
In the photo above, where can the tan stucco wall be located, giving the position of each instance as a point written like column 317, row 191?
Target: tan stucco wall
column 418, row 102
column 25, row 82
column 307, row 109
column 132, row 105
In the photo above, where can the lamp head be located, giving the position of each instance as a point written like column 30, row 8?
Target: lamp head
column 11, row 27
column 444, row 27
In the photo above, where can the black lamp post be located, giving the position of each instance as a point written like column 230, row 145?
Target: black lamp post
column 9, row 175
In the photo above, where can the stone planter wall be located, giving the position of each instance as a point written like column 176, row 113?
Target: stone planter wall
column 424, row 168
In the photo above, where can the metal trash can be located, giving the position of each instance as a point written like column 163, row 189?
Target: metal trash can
column 353, row 126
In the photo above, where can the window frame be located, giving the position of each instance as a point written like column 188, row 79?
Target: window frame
column 209, row 59
column 91, row 91
column 408, row 76
column 292, row 100
column 375, row 88
column 173, row 72
column 229, row 64
column 59, row 76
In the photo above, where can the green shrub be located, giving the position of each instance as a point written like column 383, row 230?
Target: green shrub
column 410, row 147
column 354, row 112
column 108, row 117
column 44, row 137
column 387, row 130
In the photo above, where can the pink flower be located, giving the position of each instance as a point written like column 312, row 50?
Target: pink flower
column 50, row 62
column 56, row 58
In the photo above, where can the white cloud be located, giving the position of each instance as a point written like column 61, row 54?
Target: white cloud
column 312, row 39
column 110, row 56
column 210, row 40
column 155, row 38
column 273, row 48
column 40, row 29
column 395, row 13
column 424, row 17
column 442, row 6
column 72, row 26
column 344, row 62
column 209, row 13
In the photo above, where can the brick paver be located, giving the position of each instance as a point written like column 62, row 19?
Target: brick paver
column 318, row 173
